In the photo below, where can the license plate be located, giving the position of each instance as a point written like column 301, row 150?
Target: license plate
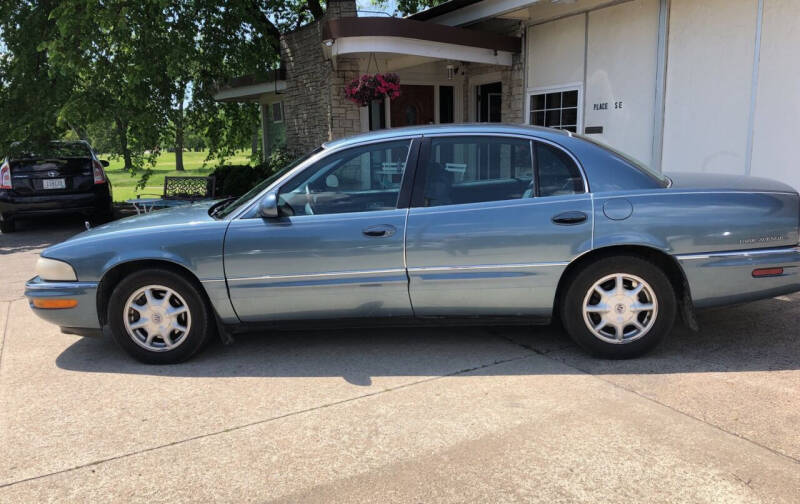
column 56, row 183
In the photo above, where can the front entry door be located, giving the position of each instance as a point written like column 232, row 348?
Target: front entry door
column 414, row 106
column 482, row 238
column 337, row 251
column 489, row 102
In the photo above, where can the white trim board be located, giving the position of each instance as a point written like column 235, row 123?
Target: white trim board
column 414, row 47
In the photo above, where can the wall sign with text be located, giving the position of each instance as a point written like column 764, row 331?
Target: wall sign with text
column 605, row 105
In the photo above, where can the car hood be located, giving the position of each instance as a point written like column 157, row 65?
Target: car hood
column 169, row 216
column 723, row 182
column 184, row 235
column 138, row 224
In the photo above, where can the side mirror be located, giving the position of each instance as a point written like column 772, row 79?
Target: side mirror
column 268, row 206
column 104, row 163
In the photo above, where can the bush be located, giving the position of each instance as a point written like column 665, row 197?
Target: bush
column 235, row 180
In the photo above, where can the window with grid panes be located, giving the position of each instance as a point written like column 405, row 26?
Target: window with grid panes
column 558, row 109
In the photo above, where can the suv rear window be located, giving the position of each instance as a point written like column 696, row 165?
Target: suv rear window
column 55, row 150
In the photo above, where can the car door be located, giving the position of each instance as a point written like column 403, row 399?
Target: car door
column 494, row 222
column 337, row 249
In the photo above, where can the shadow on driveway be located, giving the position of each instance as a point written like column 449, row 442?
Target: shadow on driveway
column 35, row 234
column 755, row 337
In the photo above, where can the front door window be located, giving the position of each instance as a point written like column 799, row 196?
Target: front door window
column 363, row 179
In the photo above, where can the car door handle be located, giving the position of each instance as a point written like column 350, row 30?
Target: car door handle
column 380, row 231
column 569, row 218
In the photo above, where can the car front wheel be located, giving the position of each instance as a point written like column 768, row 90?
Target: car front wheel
column 158, row 317
column 619, row 307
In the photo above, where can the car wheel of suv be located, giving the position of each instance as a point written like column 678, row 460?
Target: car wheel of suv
column 7, row 226
column 159, row 317
column 102, row 217
column 619, row 307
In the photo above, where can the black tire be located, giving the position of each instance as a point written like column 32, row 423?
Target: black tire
column 200, row 328
column 572, row 307
column 7, row 226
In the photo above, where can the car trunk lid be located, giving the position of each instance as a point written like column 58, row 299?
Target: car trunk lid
column 51, row 176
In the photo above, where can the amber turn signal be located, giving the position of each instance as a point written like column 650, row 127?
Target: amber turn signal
column 763, row 272
column 55, row 304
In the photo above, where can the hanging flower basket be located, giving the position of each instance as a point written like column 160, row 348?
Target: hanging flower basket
column 368, row 87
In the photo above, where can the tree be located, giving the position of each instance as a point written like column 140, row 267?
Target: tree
column 239, row 38
column 115, row 49
column 32, row 89
column 183, row 59
column 406, row 7
column 146, row 71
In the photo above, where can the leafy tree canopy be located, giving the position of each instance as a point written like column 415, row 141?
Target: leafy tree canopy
column 137, row 76
column 406, row 7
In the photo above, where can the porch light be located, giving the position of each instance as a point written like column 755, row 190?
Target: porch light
column 451, row 72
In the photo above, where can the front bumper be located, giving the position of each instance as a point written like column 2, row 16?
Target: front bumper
column 724, row 278
column 84, row 315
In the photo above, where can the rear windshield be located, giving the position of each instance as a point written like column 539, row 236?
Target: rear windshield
column 642, row 167
column 59, row 150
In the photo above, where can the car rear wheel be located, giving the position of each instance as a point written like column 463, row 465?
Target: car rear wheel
column 7, row 226
column 619, row 307
column 158, row 317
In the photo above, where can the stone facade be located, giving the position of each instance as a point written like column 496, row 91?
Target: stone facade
column 314, row 104
column 345, row 117
column 315, row 108
column 513, row 81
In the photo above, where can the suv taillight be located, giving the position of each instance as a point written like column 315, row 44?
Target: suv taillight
column 5, row 176
column 99, row 174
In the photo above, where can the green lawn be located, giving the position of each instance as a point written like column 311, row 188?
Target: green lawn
column 125, row 186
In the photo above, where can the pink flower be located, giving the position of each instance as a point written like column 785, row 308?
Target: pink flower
column 366, row 88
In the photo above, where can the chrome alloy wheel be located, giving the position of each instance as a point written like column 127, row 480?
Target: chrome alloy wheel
column 157, row 318
column 620, row 308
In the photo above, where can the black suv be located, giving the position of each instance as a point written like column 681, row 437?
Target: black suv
column 62, row 177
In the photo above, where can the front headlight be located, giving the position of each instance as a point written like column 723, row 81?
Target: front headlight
column 50, row 269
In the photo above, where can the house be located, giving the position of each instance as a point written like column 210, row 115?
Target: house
column 683, row 85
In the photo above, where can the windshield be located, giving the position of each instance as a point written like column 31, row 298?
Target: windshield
column 630, row 160
column 238, row 202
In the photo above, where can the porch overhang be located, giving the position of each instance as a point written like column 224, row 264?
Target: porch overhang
column 251, row 89
column 407, row 37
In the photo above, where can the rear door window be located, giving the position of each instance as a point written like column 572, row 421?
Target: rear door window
column 556, row 172
column 473, row 169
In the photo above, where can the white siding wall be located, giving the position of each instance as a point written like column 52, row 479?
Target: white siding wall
column 556, row 52
column 776, row 126
column 621, row 69
column 717, row 118
column 709, row 76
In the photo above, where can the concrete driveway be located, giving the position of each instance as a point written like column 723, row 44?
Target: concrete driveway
column 445, row 415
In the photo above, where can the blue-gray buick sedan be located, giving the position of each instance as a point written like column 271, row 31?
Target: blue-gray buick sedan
column 488, row 223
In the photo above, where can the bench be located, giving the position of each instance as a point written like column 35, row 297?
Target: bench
column 189, row 188
column 178, row 191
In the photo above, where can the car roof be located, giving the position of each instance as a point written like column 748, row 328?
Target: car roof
column 442, row 129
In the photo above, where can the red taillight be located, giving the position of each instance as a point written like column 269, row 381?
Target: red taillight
column 765, row 272
column 5, row 176
column 99, row 174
